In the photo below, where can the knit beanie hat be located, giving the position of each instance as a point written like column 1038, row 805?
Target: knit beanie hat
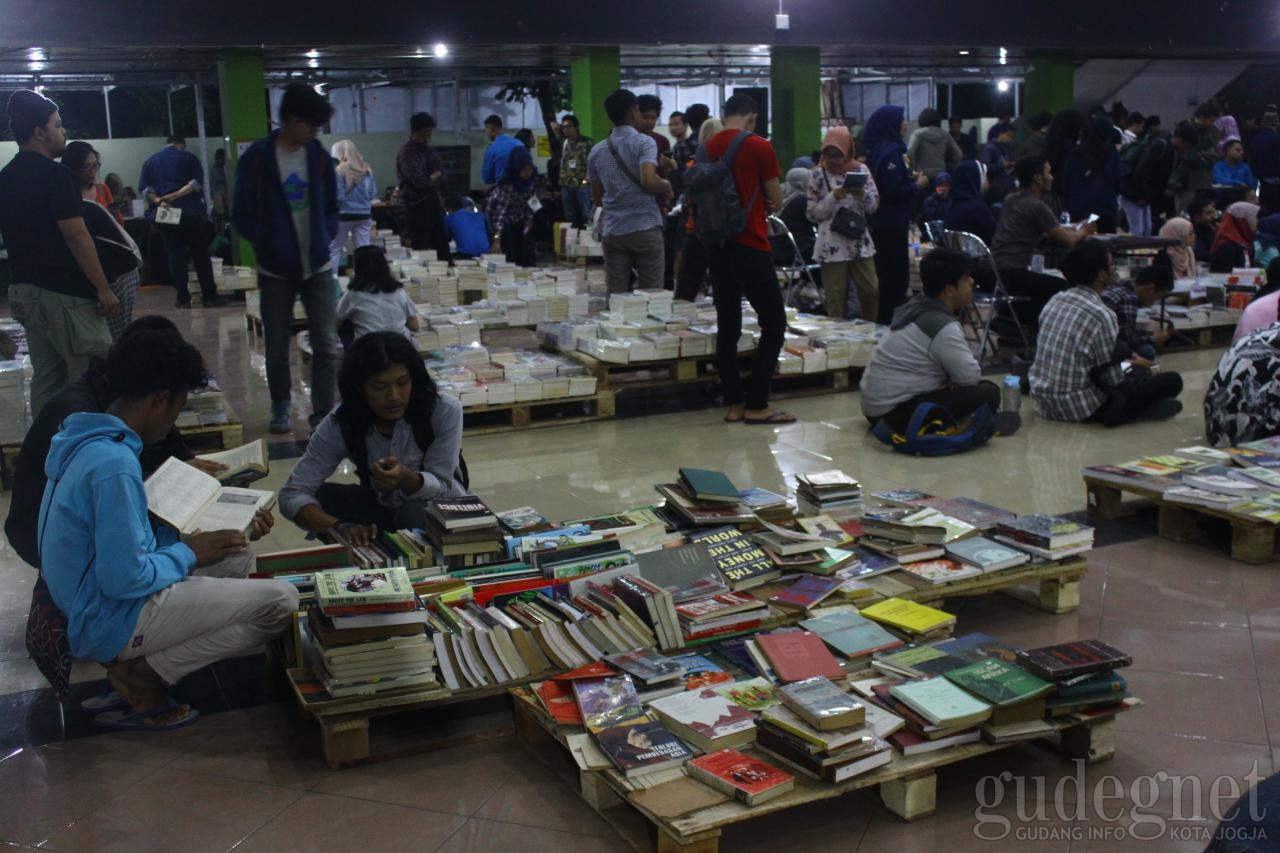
column 27, row 111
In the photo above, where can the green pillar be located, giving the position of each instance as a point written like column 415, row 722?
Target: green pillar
column 1050, row 83
column 242, row 89
column 795, row 76
column 594, row 72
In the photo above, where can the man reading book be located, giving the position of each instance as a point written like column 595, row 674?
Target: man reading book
column 138, row 600
column 925, row 357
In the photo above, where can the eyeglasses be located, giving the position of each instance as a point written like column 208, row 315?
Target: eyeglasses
column 91, row 166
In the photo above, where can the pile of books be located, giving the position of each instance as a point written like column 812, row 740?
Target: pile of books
column 634, row 740
column 1083, row 675
column 367, row 633
column 463, row 531
column 828, row 492
column 821, row 729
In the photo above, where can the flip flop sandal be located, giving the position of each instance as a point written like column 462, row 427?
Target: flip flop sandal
column 107, row 700
column 137, row 721
column 775, row 418
column 739, row 419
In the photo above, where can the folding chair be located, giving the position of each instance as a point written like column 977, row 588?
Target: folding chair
column 937, row 234
column 798, row 270
column 973, row 247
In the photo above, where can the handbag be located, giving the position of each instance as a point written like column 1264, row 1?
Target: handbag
column 847, row 223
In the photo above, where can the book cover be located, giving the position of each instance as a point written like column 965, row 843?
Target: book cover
column 642, row 746
column 709, row 485
column 1066, row 660
column 705, row 713
column 677, row 567
column 1002, row 684
column 754, row 694
column 758, row 499
column 970, row 648
column 863, row 563
column 523, row 520
column 700, row 672
column 607, row 702
column 461, row 513
column 851, row 634
column 901, row 552
column 805, row 592
column 826, row 527
column 716, row 606
column 908, row 615
column 748, row 779
column 941, row 703
column 830, row 479
column 930, row 518
column 822, row 704
column 648, row 666
column 941, row 571
column 557, row 697
column 981, row 515
column 902, row 497
column 797, row 655
column 986, row 554
column 1046, row 531
column 742, row 562
column 342, row 587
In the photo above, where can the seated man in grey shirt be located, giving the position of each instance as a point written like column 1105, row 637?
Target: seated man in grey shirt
column 404, row 438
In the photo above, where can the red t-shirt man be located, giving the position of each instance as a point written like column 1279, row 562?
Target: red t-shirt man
column 753, row 164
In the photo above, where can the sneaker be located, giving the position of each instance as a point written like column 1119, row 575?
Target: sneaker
column 279, row 418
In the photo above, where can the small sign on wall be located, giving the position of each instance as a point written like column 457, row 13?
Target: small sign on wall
column 544, row 146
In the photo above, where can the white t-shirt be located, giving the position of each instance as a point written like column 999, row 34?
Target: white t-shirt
column 295, row 180
column 377, row 312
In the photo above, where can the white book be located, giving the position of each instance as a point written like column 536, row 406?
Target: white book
column 241, row 460
column 191, row 500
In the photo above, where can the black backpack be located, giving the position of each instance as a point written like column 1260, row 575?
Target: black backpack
column 719, row 213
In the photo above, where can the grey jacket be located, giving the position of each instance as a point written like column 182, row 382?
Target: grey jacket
column 924, row 351
column 932, row 150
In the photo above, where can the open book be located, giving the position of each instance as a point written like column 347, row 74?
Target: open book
column 191, row 500
column 245, row 463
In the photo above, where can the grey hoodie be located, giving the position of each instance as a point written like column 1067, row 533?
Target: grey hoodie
column 932, row 150
column 924, row 351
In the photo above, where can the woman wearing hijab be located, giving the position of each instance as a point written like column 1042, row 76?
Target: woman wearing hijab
column 1242, row 402
column 1228, row 131
column 968, row 210
column 1062, row 136
column 1091, row 177
column 1233, row 245
column 843, row 256
column 509, row 211
column 793, row 216
column 1182, row 257
column 938, row 201
column 890, row 223
column 357, row 191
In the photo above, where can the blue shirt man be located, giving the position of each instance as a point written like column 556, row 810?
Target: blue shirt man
column 169, row 170
column 498, row 152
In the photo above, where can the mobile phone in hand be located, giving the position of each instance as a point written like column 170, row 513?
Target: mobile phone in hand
column 855, row 180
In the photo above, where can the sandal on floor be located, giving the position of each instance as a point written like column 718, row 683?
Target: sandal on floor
column 732, row 420
column 109, row 699
column 773, row 418
column 137, row 721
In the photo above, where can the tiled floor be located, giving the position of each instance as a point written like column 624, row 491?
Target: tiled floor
column 1204, row 632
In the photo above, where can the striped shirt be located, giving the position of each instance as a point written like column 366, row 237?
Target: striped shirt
column 628, row 207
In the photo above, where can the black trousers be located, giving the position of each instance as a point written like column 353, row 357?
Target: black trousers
column 960, row 402
column 356, row 504
column 1037, row 287
column 186, row 242
column 893, row 268
column 518, row 245
column 1138, row 392
column 738, row 271
column 426, row 226
column 693, row 269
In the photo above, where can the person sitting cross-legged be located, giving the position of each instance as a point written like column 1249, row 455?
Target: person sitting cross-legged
column 925, row 357
column 134, row 597
column 1078, row 374
column 1149, row 286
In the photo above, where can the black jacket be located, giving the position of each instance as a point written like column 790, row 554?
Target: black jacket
column 88, row 393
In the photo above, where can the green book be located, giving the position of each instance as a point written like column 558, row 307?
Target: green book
column 1000, row 683
column 941, row 703
column 851, row 634
column 706, row 485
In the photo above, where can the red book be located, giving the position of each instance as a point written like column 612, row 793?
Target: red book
column 797, row 655
column 557, row 697
column 748, row 779
column 715, row 606
column 357, row 609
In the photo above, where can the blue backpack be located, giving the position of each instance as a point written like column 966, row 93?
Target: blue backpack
column 934, row 431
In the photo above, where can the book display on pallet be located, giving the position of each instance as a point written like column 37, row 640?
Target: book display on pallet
column 510, row 598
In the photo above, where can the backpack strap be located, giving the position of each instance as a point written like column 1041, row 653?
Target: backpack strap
column 623, row 166
column 731, row 154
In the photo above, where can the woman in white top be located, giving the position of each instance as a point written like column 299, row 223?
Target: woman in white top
column 842, row 256
column 376, row 301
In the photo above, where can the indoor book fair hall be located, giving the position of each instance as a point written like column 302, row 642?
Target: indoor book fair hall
column 734, row 428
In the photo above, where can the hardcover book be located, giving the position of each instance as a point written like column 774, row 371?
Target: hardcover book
column 712, row 486
column 798, row 655
column 1067, row 660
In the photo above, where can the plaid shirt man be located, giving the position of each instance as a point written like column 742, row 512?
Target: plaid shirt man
column 1121, row 299
column 1077, row 336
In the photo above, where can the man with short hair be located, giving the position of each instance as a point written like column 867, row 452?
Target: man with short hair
column 968, row 148
column 686, row 143
column 171, row 180
column 623, row 171
column 743, row 268
column 1192, row 163
column 1025, row 220
column 1077, row 375
column 1149, row 286
column 498, row 151
column 286, row 205
column 575, row 192
column 925, row 357
column 60, row 294
column 136, row 599
column 650, row 113
column 420, row 176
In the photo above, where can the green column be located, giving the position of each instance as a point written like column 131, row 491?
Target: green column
column 242, row 89
column 1050, row 83
column 594, row 73
column 795, row 76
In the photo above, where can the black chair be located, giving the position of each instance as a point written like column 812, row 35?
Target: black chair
column 796, row 272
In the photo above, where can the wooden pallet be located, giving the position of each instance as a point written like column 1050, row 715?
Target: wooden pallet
column 1057, row 585
column 1214, row 336
column 667, row 372
column 1253, row 540
column 907, row 785
column 536, row 414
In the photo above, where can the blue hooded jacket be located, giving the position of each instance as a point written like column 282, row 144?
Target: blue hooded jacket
column 883, row 139
column 969, row 211
column 262, row 216
column 100, row 557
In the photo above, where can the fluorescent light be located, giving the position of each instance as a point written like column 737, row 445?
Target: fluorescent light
column 441, row 50
column 37, row 54
column 313, row 63
column 36, row 66
column 964, row 53
column 312, row 54
column 1003, row 86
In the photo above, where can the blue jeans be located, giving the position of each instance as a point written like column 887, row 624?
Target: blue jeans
column 319, row 298
column 577, row 205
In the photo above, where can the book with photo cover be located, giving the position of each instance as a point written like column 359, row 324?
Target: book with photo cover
column 607, row 702
column 648, row 666
column 747, row 779
column 641, row 746
column 346, row 587
column 523, row 520
column 805, row 592
column 941, row 571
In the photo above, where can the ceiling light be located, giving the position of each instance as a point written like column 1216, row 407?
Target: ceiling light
column 312, row 54
column 35, row 66
column 417, row 51
column 964, row 53
column 37, row 54
column 441, row 50
column 313, row 63
column 1003, row 86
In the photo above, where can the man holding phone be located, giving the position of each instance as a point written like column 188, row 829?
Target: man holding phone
column 842, row 195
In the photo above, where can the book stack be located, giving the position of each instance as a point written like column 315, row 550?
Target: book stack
column 706, row 719
column 821, row 729
column 1046, row 536
column 833, row 492
column 367, row 634
column 13, row 404
column 715, row 616
column 1083, row 675
column 633, row 740
column 692, row 511
column 464, row 531
column 654, row 675
column 405, row 548
column 937, row 713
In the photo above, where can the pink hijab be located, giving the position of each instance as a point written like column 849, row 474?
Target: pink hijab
column 1181, row 256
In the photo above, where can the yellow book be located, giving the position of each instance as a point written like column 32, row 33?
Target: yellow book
column 908, row 615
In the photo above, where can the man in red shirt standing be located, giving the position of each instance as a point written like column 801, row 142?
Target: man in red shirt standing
column 743, row 267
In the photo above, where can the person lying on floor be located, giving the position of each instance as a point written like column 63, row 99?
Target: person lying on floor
column 150, row 605
column 1078, row 374
column 925, row 357
column 403, row 436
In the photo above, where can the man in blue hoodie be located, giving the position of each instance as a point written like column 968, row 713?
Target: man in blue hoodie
column 286, row 205
column 925, row 357
column 132, row 596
